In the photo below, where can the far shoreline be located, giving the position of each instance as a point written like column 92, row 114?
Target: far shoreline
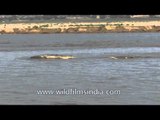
column 80, row 27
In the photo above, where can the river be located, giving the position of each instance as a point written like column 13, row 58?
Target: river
column 128, row 81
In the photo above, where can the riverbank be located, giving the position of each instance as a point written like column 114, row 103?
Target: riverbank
column 80, row 27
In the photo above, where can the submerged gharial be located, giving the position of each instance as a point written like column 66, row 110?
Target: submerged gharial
column 128, row 57
column 52, row 56
column 122, row 57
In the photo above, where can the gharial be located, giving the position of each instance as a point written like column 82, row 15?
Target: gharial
column 52, row 56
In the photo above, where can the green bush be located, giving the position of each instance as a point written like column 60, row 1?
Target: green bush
column 44, row 25
column 35, row 27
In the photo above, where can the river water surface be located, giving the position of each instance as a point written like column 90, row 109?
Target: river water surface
column 130, row 81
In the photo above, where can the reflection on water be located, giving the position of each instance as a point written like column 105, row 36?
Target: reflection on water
column 137, row 79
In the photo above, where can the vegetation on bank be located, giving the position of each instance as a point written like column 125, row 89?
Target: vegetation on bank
column 82, row 28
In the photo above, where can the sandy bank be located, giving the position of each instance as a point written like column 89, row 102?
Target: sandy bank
column 81, row 27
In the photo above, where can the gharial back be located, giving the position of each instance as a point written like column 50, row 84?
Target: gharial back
column 52, row 56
